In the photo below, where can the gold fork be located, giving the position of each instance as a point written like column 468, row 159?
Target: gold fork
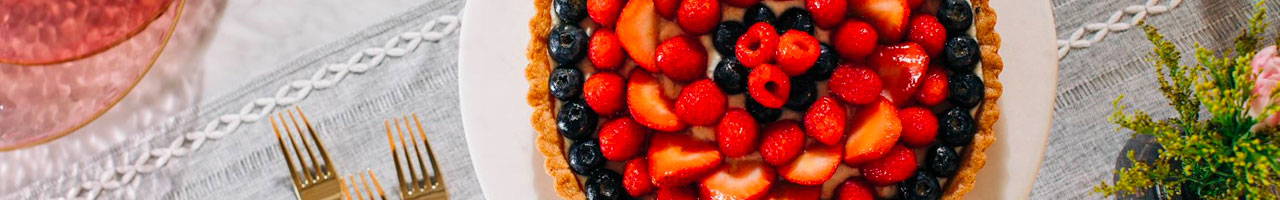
column 355, row 188
column 311, row 178
column 427, row 186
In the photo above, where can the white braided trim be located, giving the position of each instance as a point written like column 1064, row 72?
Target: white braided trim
column 151, row 158
column 1098, row 31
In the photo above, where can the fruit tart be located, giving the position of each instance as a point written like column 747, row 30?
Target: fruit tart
column 751, row 99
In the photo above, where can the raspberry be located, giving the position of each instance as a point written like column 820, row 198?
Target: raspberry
column 737, row 133
column 928, row 32
column 827, row 13
column 741, row 3
column 769, row 86
column 698, row 17
column 605, row 92
column 933, row 89
column 797, row 51
column 636, row 179
column 605, row 50
column 919, row 126
column 782, row 142
column 757, row 46
column 855, row 84
column 605, row 12
column 682, row 58
column 701, row 103
column 666, row 8
column 825, row 121
column 622, row 138
column 854, row 40
column 896, row 166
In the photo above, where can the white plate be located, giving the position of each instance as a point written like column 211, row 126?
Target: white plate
column 508, row 165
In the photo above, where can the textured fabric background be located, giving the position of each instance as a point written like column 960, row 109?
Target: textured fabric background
column 1083, row 146
column 247, row 164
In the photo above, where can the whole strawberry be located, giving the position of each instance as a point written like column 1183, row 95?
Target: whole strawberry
column 622, row 138
column 701, row 103
column 919, row 126
column 605, row 50
column 682, row 58
column 855, row 84
column 636, row 179
column 605, row 92
column 737, row 133
column 783, row 141
column 826, row 121
column 896, row 166
column 698, row 17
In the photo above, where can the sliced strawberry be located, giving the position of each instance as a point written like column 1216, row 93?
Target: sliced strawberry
column 855, row 188
column 826, row 121
column 682, row 58
column 899, row 164
column 737, row 134
column 636, row 179
column 605, row 50
column 855, row 84
column 888, row 16
column 814, row 166
column 741, row 3
column 769, row 86
column 919, row 126
column 698, row 17
column 622, row 138
column 647, row 104
column 638, row 31
column 827, row 14
column 605, row 12
column 605, row 92
column 677, row 193
column 758, row 45
column 854, row 40
column 928, row 32
column 933, row 89
column 701, row 103
column 783, row 141
column 901, row 66
column 678, row 159
column 666, row 8
column 785, row 191
column 875, row 130
column 797, row 52
column 746, row 180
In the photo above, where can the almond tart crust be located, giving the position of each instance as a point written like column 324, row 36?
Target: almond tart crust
column 552, row 146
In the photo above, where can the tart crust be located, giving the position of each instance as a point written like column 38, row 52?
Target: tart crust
column 551, row 145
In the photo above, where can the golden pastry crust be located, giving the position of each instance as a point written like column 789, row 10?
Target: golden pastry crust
column 539, row 97
column 551, row 145
column 975, row 155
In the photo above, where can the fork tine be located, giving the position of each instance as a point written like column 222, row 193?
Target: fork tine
column 308, row 175
column 437, row 177
column 324, row 154
column 343, row 184
column 302, row 136
column 293, row 171
column 365, row 182
column 413, row 177
column 395, row 158
column 417, row 152
column 376, row 185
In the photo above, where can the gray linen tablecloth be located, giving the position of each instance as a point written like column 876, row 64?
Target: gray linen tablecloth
column 247, row 164
column 1083, row 146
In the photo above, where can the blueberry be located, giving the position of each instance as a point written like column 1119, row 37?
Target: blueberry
column 803, row 93
column 565, row 82
column 604, row 184
column 960, row 53
column 731, row 76
column 726, row 36
column 570, row 11
column 941, row 160
column 956, row 127
column 761, row 113
column 921, row 186
column 567, row 44
column 955, row 15
column 826, row 64
column 758, row 13
column 965, row 89
column 585, row 157
column 576, row 121
column 795, row 19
